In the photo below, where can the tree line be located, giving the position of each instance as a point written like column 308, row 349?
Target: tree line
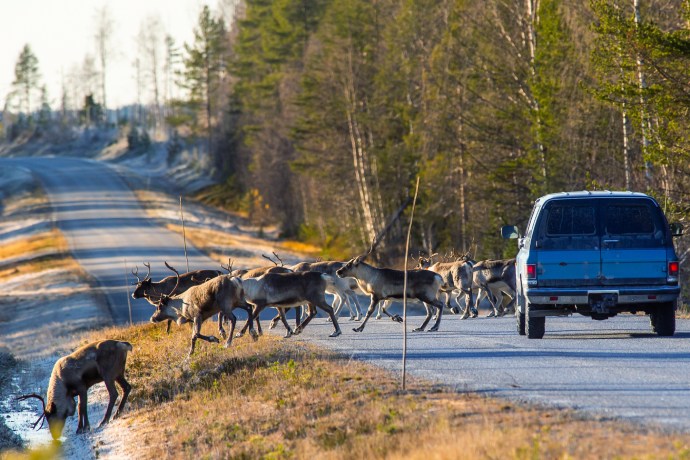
column 319, row 115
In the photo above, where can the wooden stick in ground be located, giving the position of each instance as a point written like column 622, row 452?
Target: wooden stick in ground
column 407, row 254
column 129, row 303
column 184, row 234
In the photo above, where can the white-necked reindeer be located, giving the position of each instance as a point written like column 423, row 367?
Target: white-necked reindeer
column 386, row 283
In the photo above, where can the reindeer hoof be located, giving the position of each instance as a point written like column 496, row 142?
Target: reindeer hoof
column 491, row 314
column 227, row 344
column 397, row 318
column 358, row 329
column 433, row 329
column 213, row 339
column 223, row 335
column 239, row 334
column 288, row 334
column 328, row 320
column 419, row 329
column 255, row 336
column 465, row 316
column 378, row 316
column 455, row 310
column 336, row 333
column 352, row 318
column 272, row 324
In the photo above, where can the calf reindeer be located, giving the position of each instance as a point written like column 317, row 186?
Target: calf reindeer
column 285, row 290
column 492, row 276
column 385, row 283
column 153, row 291
column 74, row 374
column 198, row 303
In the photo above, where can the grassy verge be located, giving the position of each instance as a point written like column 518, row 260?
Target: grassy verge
column 279, row 398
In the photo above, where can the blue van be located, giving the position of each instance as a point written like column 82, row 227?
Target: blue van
column 597, row 254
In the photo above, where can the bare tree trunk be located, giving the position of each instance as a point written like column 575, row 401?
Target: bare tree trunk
column 644, row 117
column 532, row 6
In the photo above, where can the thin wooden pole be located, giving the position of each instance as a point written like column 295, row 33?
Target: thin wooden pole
column 129, row 303
column 407, row 254
column 184, row 234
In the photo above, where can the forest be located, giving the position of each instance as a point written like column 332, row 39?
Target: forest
column 319, row 115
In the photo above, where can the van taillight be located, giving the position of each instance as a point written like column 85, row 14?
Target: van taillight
column 673, row 269
column 531, row 270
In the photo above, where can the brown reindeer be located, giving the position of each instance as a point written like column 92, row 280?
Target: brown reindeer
column 198, row 303
column 285, row 290
column 386, row 283
column 153, row 291
column 73, row 375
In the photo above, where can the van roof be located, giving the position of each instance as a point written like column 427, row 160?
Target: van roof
column 592, row 194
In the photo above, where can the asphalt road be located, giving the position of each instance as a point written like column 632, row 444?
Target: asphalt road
column 614, row 368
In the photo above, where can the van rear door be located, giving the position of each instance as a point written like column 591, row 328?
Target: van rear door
column 633, row 242
column 569, row 244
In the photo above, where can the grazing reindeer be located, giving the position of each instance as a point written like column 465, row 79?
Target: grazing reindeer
column 345, row 286
column 385, row 283
column 73, row 375
column 285, row 290
column 491, row 276
column 198, row 303
column 153, row 291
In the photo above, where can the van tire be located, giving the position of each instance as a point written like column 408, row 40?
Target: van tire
column 663, row 319
column 520, row 321
column 534, row 326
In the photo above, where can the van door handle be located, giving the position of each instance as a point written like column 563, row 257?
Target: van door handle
column 611, row 241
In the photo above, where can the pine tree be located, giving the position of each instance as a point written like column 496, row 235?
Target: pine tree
column 26, row 79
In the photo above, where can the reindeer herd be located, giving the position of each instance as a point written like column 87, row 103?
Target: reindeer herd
column 196, row 296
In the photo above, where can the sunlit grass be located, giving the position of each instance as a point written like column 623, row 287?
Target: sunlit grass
column 279, row 398
column 52, row 239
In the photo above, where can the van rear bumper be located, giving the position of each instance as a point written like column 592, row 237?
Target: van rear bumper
column 626, row 295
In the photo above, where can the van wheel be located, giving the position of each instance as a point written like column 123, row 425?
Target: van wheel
column 663, row 319
column 520, row 321
column 534, row 326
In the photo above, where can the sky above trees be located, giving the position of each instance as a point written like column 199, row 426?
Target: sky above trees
column 61, row 34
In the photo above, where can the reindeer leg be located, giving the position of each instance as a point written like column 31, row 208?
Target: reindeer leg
column 329, row 310
column 196, row 334
column 112, row 392
column 352, row 298
column 274, row 320
column 167, row 329
column 283, row 319
column 126, row 388
column 439, row 312
column 83, row 424
column 233, row 321
column 221, row 331
column 370, row 310
column 310, row 316
column 338, row 304
column 251, row 314
column 426, row 320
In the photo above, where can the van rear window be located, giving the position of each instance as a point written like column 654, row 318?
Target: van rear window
column 629, row 220
column 570, row 220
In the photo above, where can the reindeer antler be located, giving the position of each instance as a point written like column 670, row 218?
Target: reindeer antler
column 148, row 275
column 135, row 272
column 177, row 283
column 282, row 264
column 268, row 258
column 228, row 267
column 42, row 418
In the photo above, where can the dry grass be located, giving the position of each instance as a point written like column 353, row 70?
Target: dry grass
column 279, row 398
column 51, row 240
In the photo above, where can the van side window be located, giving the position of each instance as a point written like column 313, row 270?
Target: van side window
column 569, row 226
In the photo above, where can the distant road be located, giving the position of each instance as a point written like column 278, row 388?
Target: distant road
column 614, row 368
column 105, row 225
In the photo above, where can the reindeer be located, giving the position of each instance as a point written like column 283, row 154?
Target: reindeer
column 492, row 276
column 198, row 303
column 152, row 291
column 285, row 290
column 385, row 283
column 73, row 375
column 345, row 292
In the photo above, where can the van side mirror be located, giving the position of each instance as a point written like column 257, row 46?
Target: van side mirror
column 510, row 232
column 676, row 229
